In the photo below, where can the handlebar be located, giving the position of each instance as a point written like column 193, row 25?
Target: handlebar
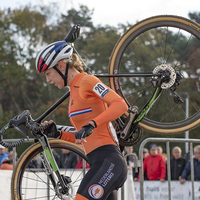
column 15, row 122
column 24, row 119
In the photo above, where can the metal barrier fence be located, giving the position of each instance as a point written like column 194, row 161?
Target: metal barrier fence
column 167, row 141
column 138, row 163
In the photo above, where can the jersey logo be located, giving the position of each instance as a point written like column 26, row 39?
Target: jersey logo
column 79, row 112
column 100, row 90
column 95, row 191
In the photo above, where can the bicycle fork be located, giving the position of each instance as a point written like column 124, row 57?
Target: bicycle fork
column 49, row 163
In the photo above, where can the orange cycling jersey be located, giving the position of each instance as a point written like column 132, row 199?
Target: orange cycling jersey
column 89, row 100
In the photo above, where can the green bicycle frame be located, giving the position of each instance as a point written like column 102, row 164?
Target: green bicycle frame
column 48, row 161
column 149, row 104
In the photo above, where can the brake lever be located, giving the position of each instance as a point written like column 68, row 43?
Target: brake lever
column 17, row 122
column 20, row 120
column 21, row 131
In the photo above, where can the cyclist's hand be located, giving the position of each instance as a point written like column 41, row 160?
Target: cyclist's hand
column 83, row 133
column 52, row 130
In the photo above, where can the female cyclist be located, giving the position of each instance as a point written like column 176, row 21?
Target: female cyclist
column 90, row 115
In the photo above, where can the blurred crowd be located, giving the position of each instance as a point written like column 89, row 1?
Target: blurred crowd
column 155, row 164
column 64, row 159
column 6, row 158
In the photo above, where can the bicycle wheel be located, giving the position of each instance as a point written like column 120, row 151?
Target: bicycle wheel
column 30, row 181
column 169, row 42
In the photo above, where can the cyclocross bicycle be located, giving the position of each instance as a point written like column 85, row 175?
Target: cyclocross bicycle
column 154, row 66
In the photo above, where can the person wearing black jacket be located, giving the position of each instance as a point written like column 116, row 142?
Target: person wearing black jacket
column 177, row 164
column 68, row 159
column 187, row 170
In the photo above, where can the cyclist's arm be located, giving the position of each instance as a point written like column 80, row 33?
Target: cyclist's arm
column 92, row 86
column 68, row 133
column 186, row 171
column 117, row 108
column 69, row 129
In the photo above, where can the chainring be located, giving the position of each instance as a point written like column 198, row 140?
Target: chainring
column 134, row 137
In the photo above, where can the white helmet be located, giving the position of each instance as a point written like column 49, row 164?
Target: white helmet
column 52, row 54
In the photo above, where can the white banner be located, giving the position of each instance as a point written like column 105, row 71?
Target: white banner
column 5, row 179
column 157, row 190
column 153, row 190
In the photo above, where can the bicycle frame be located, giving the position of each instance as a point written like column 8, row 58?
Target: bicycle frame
column 48, row 161
column 153, row 98
column 141, row 114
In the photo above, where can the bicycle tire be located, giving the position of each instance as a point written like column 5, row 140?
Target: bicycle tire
column 30, row 183
column 158, row 40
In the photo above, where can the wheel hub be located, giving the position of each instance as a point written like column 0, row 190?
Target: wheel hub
column 168, row 74
column 65, row 195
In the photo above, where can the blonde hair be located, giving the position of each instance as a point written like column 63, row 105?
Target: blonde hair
column 75, row 62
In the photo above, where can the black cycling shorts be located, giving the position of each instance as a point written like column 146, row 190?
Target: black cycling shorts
column 108, row 172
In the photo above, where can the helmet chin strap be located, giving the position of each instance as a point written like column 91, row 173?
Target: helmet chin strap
column 62, row 75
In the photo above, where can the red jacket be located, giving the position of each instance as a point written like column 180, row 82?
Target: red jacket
column 155, row 167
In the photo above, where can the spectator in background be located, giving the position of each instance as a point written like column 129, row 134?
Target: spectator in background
column 187, row 169
column 80, row 164
column 3, row 154
column 8, row 163
column 160, row 151
column 154, row 165
column 6, row 150
column 68, row 159
column 177, row 163
column 145, row 153
column 130, row 160
column 35, row 163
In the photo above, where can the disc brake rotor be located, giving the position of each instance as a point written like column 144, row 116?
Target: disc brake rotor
column 69, row 196
column 172, row 77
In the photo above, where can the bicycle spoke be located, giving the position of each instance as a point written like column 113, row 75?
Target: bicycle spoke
column 163, row 42
column 34, row 182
